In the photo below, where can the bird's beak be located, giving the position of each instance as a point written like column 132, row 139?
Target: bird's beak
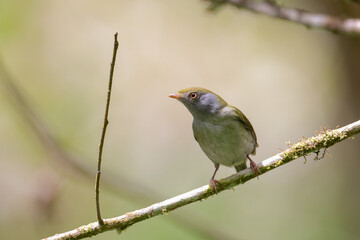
column 175, row 95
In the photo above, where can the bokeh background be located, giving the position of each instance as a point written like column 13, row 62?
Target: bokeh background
column 290, row 81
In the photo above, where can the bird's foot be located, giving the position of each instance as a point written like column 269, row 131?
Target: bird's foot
column 213, row 183
column 254, row 168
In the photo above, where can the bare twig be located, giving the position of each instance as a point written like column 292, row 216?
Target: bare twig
column 350, row 26
column 106, row 122
column 324, row 140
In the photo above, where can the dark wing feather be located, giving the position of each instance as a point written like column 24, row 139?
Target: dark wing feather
column 246, row 123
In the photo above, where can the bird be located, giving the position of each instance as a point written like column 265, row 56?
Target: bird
column 223, row 132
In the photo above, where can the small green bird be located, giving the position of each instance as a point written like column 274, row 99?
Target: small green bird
column 223, row 132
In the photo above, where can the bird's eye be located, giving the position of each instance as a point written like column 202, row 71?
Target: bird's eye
column 193, row 95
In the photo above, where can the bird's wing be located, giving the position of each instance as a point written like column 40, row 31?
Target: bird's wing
column 246, row 123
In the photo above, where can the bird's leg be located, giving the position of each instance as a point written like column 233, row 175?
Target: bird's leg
column 254, row 167
column 212, row 180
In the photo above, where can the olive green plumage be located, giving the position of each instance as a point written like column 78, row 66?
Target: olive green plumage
column 223, row 132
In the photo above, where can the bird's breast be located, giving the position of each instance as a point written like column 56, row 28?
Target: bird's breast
column 227, row 142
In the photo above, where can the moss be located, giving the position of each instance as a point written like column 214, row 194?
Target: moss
column 323, row 139
column 164, row 210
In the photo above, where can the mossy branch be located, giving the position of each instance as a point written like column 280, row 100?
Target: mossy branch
column 322, row 140
column 348, row 26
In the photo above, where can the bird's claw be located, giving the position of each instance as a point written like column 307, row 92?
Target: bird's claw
column 254, row 168
column 213, row 184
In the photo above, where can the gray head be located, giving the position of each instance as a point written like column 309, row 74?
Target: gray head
column 201, row 103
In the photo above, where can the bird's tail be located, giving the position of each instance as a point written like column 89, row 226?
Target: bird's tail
column 240, row 167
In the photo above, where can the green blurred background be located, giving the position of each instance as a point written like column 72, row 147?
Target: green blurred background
column 290, row 81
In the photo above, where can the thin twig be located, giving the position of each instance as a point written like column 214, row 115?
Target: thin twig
column 106, row 122
column 297, row 150
column 350, row 26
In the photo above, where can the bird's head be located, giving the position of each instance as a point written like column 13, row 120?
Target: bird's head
column 201, row 103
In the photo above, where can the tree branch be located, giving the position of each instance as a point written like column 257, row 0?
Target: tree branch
column 350, row 26
column 102, row 139
column 324, row 139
